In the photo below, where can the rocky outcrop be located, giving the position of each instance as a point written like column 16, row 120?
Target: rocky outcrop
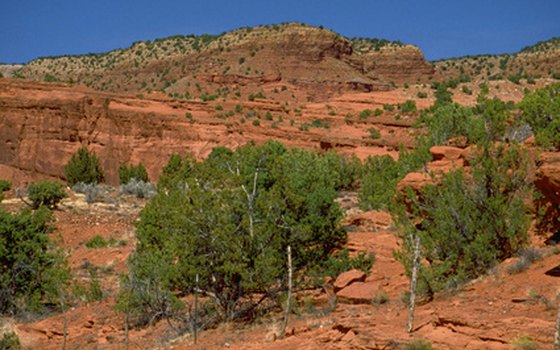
column 317, row 61
column 43, row 124
column 547, row 178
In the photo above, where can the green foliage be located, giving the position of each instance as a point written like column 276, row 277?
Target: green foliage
column 230, row 219
column 175, row 169
column 451, row 120
column 443, row 96
column 256, row 95
column 341, row 262
column 388, row 107
column 83, row 167
column 32, row 271
column 5, row 185
column 318, row 123
column 46, row 193
column 409, row 106
column 49, row 78
column 541, row 110
column 381, row 174
column 422, row 94
column 374, row 133
column 10, row 341
column 99, row 242
column 467, row 223
column 524, row 342
column 128, row 172
column 366, row 113
column 347, row 169
column 419, row 344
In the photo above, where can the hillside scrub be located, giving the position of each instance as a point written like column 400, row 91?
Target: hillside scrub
column 230, row 219
column 541, row 110
column 468, row 221
column 32, row 269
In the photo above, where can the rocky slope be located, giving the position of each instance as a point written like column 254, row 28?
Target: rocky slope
column 43, row 124
column 317, row 60
column 530, row 63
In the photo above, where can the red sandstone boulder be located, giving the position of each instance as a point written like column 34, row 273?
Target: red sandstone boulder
column 416, row 181
column 358, row 293
column 347, row 278
column 446, row 152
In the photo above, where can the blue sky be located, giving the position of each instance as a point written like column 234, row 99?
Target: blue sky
column 441, row 28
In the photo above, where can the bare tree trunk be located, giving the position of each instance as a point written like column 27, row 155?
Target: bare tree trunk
column 289, row 299
column 127, row 315
column 65, row 333
column 413, row 282
column 557, row 331
column 195, row 325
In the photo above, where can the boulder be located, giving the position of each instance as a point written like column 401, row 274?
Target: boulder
column 358, row 293
column 446, row 152
column 347, row 278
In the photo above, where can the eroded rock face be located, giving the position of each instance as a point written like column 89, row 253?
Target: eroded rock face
column 43, row 124
column 548, row 176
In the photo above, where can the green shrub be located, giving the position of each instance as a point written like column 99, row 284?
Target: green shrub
column 256, row 95
column 348, row 170
column 374, row 133
column 97, row 242
column 318, row 123
column 230, row 219
column 541, row 110
column 388, row 107
column 377, row 112
column 47, row 193
column 418, row 344
column 366, row 113
column 5, row 185
column 32, row 271
column 409, row 106
column 422, row 94
column 381, row 174
column 467, row 223
column 524, row 342
column 129, row 172
column 256, row 122
column 83, row 167
column 10, row 341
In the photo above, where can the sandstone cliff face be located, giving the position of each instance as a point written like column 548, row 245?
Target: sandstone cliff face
column 43, row 124
column 40, row 128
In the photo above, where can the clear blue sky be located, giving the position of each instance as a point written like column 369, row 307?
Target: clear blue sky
column 441, row 28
